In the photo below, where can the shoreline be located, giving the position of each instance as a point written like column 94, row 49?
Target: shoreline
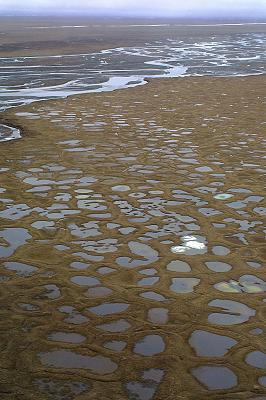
column 10, row 125
column 9, row 121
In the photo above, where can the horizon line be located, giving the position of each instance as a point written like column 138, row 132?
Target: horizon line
column 138, row 16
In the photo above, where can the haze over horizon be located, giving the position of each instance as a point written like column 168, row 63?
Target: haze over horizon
column 239, row 9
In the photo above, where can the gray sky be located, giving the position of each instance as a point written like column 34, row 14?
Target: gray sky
column 203, row 8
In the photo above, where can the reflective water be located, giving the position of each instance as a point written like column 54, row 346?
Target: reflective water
column 232, row 312
column 153, row 296
column 218, row 266
column 178, row 266
column 20, row 268
column 150, row 345
column 108, row 308
column 220, row 250
column 262, row 381
column 192, row 245
column 115, row 248
column 184, row 285
column 256, row 359
column 52, row 292
column 246, row 283
column 115, row 345
column 9, row 133
column 67, row 337
column 83, row 280
column 158, row 316
column 256, row 331
column 68, row 359
column 13, row 238
column 208, row 344
column 26, row 79
column 215, row 377
column 74, row 316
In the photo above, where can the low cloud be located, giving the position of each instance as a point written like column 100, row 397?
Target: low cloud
column 163, row 8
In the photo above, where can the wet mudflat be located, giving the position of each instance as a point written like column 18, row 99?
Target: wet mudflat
column 132, row 244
